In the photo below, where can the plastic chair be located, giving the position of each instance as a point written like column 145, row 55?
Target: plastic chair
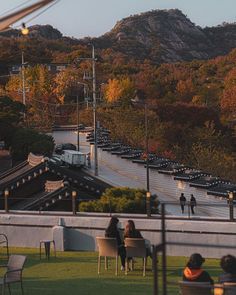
column 195, row 288
column 107, row 247
column 13, row 272
column 4, row 242
column 135, row 248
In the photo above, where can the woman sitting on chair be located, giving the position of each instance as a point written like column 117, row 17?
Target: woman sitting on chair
column 132, row 232
column 228, row 264
column 113, row 232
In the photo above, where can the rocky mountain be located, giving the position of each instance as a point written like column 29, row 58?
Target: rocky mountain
column 168, row 36
column 158, row 35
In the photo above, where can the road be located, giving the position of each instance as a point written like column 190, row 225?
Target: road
column 124, row 173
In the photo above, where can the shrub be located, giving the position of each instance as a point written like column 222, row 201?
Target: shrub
column 117, row 200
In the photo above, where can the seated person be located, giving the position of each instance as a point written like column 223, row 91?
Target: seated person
column 193, row 271
column 228, row 264
column 132, row 232
column 113, row 232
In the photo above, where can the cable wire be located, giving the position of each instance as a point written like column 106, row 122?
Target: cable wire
column 18, row 6
column 41, row 12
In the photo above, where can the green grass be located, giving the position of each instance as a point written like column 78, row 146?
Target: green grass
column 75, row 273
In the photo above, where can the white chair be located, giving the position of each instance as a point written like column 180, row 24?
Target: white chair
column 135, row 248
column 107, row 247
column 13, row 274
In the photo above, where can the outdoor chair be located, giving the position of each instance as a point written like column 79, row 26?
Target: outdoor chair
column 4, row 243
column 13, row 272
column 195, row 288
column 135, row 248
column 107, row 247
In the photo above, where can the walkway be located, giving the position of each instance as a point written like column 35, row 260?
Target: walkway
column 122, row 172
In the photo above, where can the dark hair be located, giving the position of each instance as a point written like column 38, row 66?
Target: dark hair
column 228, row 264
column 129, row 228
column 195, row 261
column 112, row 226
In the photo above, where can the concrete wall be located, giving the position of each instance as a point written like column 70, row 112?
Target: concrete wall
column 79, row 232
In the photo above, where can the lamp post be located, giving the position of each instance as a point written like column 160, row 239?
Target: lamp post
column 74, row 195
column 6, row 196
column 231, row 206
column 148, row 194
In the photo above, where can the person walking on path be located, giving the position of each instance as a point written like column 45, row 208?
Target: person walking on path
column 182, row 201
column 193, row 203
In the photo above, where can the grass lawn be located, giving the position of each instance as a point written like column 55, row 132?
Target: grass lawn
column 75, row 273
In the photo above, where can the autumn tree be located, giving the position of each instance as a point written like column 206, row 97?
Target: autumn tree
column 228, row 99
column 122, row 90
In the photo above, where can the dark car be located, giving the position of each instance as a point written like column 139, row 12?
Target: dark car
column 64, row 146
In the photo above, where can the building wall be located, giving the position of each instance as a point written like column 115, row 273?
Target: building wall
column 80, row 232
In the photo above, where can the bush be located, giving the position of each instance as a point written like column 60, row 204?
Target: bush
column 117, row 200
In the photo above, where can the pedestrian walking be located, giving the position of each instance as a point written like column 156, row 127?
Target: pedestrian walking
column 88, row 156
column 193, row 203
column 182, row 201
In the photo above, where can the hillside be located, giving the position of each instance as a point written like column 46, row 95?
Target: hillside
column 168, row 36
column 161, row 36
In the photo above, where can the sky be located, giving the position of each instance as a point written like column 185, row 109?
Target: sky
column 81, row 18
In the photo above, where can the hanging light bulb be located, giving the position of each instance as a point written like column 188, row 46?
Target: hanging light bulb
column 24, row 30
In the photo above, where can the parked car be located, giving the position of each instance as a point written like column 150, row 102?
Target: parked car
column 64, row 146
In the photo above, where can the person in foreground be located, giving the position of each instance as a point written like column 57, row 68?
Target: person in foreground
column 193, row 271
column 113, row 232
column 228, row 264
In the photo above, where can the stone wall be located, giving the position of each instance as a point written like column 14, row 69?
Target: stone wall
column 79, row 232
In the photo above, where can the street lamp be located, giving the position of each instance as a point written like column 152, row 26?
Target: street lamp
column 74, row 195
column 6, row 196
column 25, row 32
column 148, row 194
column 231, row 206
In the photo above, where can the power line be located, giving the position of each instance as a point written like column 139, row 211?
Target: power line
column 18, row 6
column 44, row 10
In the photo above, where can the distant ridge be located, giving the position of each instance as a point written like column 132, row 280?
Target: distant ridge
column 162, row 36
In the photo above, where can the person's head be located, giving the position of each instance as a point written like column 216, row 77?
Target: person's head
column 130, row 225
column 195, row 261
column 228, row 264
column 113, row 222
column 182, row 194
column 192, row 196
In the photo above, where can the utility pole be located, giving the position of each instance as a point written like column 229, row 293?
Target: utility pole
column 148, row 194
column 95, row 114
column 93, row 59
column 77, row 120
column 23, row 80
